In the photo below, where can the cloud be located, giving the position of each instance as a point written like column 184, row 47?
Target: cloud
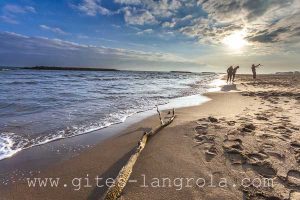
column 8, row 19
column 257, row 17
column 92, row 8
column 138, row 17
column 231, row 10
column 169, row 24
column 44, row 51
column 159, row 9
column 129, row 2
column 267, row 36
column 146, row 31
column 11, row 11
column 210, row 21
column 53, row 29
column 11, row 8
column 285, row 30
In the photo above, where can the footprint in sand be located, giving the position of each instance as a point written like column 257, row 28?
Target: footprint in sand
column 201, row 129
column 294, row 195
column 296, row 146
column 264, row 168
column 233, row 144
column 262, row 118
column 210, row 153
column 263, row 197
column 293, row 178
column 248, row 128
column 295, row 128
column 267, row 145
column 202, row 139
column 202, row 136
column 231, row 123
column 276, row 155
column 213, row 119
column 206, row 119
column 233, row 151
column 235, row 157
column 253, row 193
column 256, row 157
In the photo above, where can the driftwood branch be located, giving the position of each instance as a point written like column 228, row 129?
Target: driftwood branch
column 114, row 192
column 159, row 115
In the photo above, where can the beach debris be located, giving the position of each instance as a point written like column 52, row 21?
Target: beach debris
column 114, row 192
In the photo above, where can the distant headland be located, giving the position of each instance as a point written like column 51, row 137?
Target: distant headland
column 68, row 68
column 187, row 72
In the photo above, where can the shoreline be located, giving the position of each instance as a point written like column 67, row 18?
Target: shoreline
column 177, row 151
column 125, row 139
column 12, row 147
column 82, row 142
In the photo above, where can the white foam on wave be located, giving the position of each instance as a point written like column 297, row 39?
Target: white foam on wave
column 11, row 144
column 217, row 84
column 7, row 149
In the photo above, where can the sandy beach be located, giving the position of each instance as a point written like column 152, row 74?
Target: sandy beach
column 153, row 99
column 243, row 144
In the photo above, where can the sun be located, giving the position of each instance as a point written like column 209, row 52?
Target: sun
column 235, row 41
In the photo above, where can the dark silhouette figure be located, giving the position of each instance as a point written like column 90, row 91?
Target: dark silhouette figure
column 234, row 72
column 229, row 74
column 254, row 70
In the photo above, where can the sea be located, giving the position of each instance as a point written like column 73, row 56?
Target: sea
column 40, row 106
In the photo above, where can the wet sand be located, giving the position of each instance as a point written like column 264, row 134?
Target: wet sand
column 248, row 131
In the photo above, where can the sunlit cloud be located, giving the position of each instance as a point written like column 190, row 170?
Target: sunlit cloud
column 92, row 7
column 138, row 17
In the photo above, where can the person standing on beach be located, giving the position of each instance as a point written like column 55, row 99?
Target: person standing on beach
column 254, row 70
column 234, row 72
column 229, row 74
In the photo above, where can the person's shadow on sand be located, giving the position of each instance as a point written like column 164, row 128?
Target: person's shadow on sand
column 227, row 88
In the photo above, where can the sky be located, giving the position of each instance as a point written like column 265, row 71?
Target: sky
column 151, row 35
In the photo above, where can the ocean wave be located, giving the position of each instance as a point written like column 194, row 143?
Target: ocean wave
column 23, row 82
column 89, row 107
column 12, row 143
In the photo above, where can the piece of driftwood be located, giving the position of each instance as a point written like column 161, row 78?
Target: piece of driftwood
column 114, row 192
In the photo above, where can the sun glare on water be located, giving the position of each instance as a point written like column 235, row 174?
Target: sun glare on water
column 235, row 41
